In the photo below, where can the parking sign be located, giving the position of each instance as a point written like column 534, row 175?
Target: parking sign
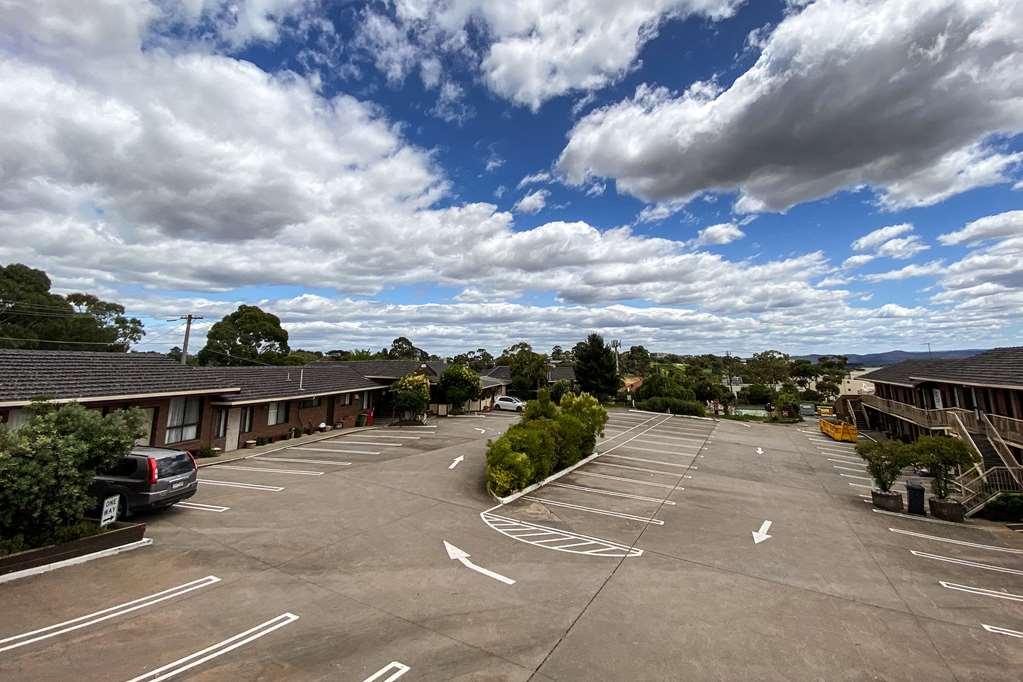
column 109, row 512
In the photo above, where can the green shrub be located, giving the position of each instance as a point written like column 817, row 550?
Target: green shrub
column 47, row 466
column 885, row 460
column 673, row 405
column 459, row 384
column 571, row 436
column 1005, row 507
column 590, row 412
column 411, row 395
column 536, row 439
column 508, row 470
column 943, row 457
column 541, row 408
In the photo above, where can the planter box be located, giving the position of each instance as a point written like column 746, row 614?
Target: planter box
column 888, row 501
column 947, row 510
column 120, row 533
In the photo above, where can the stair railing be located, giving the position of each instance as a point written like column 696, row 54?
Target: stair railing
column 956, row 424
column 1004, row 454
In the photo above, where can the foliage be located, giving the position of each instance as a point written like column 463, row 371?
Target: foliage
column 541, row 408
column 885, row 460
column 595, row 369
column 528, row 369
column 590, row 412
column 479, row 360
column 508, row 470
column 672, row 405
column 47, row 465
column 302, row 357
column 756, row 394
column 28, row 310
column 564, row 357
column 558, row 389
column 665, row 383
column 636, row 361
column 769, row 367
column 943, row 457
column 536, row 439
column 1005, row 507
column 411, row 395
column 571, row 437
column 246, row 336
column 803, row 372
column 459, row 384
column 787, row 404
column 403, row 349
column 356, row 354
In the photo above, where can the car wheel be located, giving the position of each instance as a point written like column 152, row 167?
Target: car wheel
column 519, row 408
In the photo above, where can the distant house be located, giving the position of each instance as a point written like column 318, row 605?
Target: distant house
column 386, row 372
column 554, row 373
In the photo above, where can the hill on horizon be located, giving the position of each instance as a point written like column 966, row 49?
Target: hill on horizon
column 893, row 356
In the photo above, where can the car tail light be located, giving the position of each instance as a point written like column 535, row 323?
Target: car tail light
column 152, row 470
column 192, row 457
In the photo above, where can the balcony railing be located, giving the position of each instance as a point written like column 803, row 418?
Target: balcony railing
column 932, row 419
column 1010, row 429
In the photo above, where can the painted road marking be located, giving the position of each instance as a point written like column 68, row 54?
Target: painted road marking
column 456, row 461
column 574, row 542
column 914, row 517
column 627, row 430
column 346, row 442
column 462, row 557
column 980, row 591
column 632, row 468
column 649, row 461
column 964, row 562
column 593, row 510
column 202, row 507
column 296, row 472
column 397, row 667
column 304, row 461
column 695, row 445
column 336, row 451
column 656, row 452
column 106, row 614
column 246, row 486
column 381, row 435
column 1002, row 631
column 653, row 434
column 845, row 461
column 862, row 478
column 612, row 493
column 622, row 478
column 993, row 548
column 835, row 466
column 220, row 648
column 761, row 535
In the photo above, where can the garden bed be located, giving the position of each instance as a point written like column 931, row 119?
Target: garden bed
column 118, row 534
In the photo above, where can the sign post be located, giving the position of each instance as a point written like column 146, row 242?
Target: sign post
column 109, row 514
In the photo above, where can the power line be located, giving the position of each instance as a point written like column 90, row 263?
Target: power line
column 85, row 343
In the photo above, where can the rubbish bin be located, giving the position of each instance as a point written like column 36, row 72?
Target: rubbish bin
column 915, row 497
column 369, row 418
column 360, row 420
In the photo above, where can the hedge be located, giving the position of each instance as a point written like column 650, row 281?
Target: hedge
column 549, row 438
column 672, row 405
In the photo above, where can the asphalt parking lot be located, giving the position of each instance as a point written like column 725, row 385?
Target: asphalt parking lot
column 378, row 556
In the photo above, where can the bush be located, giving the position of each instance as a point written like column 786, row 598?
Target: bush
column 673, row 405
column 559, row 389
column 571, row 437
column 507, row 469
column 943, row 457
column 1005, row 507
column 541, row 408
column 536, row 439
column 459, row 384
column 411, row 395
column 590, row 412
column 885, row 460
column 47, row 466
column 664, row 385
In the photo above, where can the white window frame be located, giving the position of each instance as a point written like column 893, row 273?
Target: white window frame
column 184, row 430
column 246, row 421
column 273, row 413
column 220, row 423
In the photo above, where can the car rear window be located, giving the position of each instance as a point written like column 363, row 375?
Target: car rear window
column 175, row 465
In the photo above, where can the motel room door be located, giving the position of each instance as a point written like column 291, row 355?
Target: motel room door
column 234, row 424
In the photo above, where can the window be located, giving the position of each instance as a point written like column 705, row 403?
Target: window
column 365, row 400
column 309, row 402
column 247, row 419
column 221, row 423
column 277, row 413
column 348, row 399
column 183, row 420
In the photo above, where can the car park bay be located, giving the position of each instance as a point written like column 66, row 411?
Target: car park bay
column 346, row 572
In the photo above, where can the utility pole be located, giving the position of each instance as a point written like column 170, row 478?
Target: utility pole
column 616, row 346
column 188, row 331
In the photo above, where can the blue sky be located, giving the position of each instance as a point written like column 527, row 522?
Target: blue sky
column 690, row 175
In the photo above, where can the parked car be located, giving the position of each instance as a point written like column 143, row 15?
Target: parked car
column 507, row 402
column 148, row 478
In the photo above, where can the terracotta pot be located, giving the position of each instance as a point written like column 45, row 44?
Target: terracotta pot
column 947, row 510
column 890, row 501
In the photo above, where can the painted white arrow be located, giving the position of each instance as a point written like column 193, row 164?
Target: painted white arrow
column 456, row 461
column 760, row 451
column 476, row 428
column 463, row 556
column 761, row 535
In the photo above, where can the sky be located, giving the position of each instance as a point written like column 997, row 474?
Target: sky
column 688, row 175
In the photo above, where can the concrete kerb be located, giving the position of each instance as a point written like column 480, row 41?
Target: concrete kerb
column 553, row 477
column 291, row 443
column 680, row 416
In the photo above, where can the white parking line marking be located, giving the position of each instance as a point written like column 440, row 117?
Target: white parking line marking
column 980, row 591
column 693, row 445
column 381, row 435
column 669, row 439
column 964, row 562
column 632, row 468
column 835, row 466
column 626, row 431
column 846, row 461
column 862, row 478
column 296, row 472
column 246, row 486
column 304, row 461
column 860, row 485
column 346, row 443
column 914, row 517
column 179, row 666
column 25, row 638
column 648, row 461
column 612, row 493
column 1002, row 631
column 622, row 478
column 335, row 451
column 593, row 510
column 656, row 452
column 993, row 548
column 398, row 668
column 202, row 507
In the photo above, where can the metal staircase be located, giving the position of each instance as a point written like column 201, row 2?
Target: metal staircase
column 997, row 471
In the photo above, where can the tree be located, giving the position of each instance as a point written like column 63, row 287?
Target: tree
column 756, row 394
column 479, row 360
column 411, row 395
column 636, row 361
column 48, row 464
column 357, row 354
column 37, row 318
column 247, row 336
column 403, row 349
column 302, row 357
column 832, row 369
column 459, row 384
column 803, row 372
column 943, row 457
column 528, row 369
column 595, row 367
column 770, row 367
column 561, row 356
column 667, row 382
column 885, row 461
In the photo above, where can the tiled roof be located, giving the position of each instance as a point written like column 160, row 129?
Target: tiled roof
column 500, row 372
column 562, row 374
column 269, row 383
column 384, row 369
column 999, row 367
column 902, row 372
column 78, row 375
column 491, row 382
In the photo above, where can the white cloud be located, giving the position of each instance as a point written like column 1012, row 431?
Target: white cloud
column 451, row 105
column 533, row 202
column 902, row 248
column 540, row 177
column 724, row 233
column 493, row 163
column 902, row 96
column 914, row 270
column 857, row 261
column 874, row 239
column 534, row 49
column 1008, row 224
column 658, row 212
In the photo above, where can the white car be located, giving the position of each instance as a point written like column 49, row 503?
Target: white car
column 507, row 402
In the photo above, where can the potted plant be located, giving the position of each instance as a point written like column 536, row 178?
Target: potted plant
column 885, row 461
column 944, row 457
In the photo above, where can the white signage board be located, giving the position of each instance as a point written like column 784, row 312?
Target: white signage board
column 109, row 514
